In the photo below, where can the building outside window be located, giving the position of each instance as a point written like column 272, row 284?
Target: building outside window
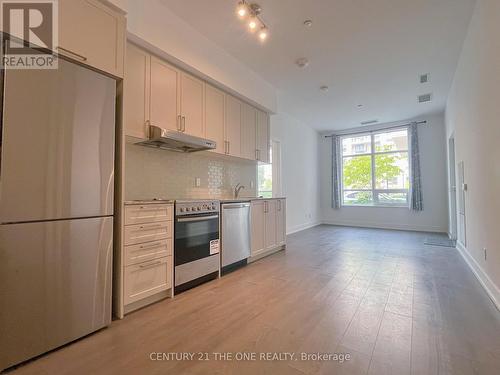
column 375, row 169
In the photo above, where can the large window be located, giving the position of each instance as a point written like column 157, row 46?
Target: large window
column 375, row 169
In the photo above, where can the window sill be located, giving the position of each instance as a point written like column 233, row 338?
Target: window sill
column 375, row 206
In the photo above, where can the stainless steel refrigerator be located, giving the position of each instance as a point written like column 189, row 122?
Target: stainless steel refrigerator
column 56, row 208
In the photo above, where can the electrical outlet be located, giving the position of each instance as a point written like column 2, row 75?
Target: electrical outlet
column 485, row 251
column 197, row 182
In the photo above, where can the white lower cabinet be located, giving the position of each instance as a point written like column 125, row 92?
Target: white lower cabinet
column 147, row 256
column 281, row 222
column 146, row 279
column 268, row 225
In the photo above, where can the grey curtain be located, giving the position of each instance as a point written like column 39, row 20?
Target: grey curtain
column 416, row 196
column 336, row 168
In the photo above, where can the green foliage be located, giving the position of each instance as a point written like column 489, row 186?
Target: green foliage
column 357, row 170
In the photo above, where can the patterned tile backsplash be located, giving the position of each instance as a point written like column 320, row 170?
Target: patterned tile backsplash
column 154, row 173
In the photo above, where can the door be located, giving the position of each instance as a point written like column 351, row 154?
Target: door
column 248, row 132
column 57, row 154
column 281, row 222
column 192, row 105
column 233, row 125
column 270, row 220
column 235, row 232
column 164, row 96
column 214, row 117
column 462, row 224
column 136, row 92
column 453, row 188
column 258, row 227
column 92, row 33
column 262, row 137
column 55, row 284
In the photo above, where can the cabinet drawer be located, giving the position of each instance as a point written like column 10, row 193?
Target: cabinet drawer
column 140, row 233
column 148, row 213
column 145, row 279
column 147, row 251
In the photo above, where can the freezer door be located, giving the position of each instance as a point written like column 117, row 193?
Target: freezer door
column 55, row 284
column 57, row 144
column 235, row 232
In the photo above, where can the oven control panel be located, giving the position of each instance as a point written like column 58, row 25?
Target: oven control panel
column 196, row 207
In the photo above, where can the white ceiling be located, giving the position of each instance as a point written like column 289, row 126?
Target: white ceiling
column 368, row 52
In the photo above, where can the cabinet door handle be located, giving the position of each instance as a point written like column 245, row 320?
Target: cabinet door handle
column 256, row 154
column 151, row 226
column 179, row 123
column 67, row 52
column 183, row 123
column 228, row 147
column 143, row 266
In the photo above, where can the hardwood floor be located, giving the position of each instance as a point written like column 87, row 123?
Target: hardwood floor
column 394, row 304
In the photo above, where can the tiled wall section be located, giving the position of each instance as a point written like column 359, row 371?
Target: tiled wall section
column 152, row 173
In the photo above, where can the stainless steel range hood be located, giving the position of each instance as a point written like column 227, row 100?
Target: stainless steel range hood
column 176, row 141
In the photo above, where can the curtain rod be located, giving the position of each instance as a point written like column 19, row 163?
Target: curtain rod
column 346, row 132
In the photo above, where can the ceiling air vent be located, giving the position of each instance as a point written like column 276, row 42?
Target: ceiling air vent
column 371, row 122
column 424, row 98
column 424, row 78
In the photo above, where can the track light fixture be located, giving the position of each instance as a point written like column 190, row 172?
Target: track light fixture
column 251, row 14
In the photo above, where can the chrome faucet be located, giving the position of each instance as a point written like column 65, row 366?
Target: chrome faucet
column 237, row 189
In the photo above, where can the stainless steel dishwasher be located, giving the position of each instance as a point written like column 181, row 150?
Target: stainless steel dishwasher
column 235, row 234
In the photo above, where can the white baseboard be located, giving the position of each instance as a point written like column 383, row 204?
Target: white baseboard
column 361, row 224
column 488, row 285
column 302, row 227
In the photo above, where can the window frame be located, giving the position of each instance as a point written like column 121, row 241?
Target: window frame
column 375, row 192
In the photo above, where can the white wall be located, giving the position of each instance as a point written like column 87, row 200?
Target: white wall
column 473, row 116
column 433, row 218
column 172, row 38
column 299, row 170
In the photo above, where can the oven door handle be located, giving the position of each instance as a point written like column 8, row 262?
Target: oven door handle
column 198, row 218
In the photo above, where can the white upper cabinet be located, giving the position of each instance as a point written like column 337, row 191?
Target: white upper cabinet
column 248, row 132
column 214, row 117
column 157, row 93
column 92, row 33
column 164, row 95
column 192, row 90
column 262, row 136
column 136, row 92
column 233, row 126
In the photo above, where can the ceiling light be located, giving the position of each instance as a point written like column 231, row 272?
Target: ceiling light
column 302, row 62
column 308, row 23
column 263, row 33
column 324, row 88
column 242, row 10
column 254, row 21
column 360, row 105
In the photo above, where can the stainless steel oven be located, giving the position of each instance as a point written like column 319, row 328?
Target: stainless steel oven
column 196, row 253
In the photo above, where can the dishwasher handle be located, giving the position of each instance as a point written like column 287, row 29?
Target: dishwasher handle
column 229, row 206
